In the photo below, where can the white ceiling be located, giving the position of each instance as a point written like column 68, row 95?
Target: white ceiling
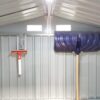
column 86, row 11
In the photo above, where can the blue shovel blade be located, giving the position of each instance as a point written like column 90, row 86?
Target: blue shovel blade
column 77, row 41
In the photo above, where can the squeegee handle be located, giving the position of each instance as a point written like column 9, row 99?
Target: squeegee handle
column 19, row 63
column 77, row 78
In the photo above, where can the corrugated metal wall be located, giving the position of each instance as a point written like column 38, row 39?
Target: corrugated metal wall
column 46, row 74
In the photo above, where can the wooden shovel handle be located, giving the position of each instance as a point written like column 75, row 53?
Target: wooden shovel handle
column 77, row 78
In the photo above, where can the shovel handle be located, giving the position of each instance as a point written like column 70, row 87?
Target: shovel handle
column 77, row 78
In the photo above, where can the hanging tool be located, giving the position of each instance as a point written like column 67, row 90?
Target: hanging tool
column 19, row 54
column 77, row 42
column 21, row 50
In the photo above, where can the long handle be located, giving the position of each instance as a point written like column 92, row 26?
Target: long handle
column 19, row 67
column 77, row 78
column 19, row 64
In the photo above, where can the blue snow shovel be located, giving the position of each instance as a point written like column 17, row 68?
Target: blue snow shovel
column 77, row 42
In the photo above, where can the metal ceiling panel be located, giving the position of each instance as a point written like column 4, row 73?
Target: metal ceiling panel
column 79, row 19
column 19, row 10
column 83, row 14
column 18, row 17
column 86, row 11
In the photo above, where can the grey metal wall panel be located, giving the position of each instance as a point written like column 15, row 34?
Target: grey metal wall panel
column 69, row 75
column 84, row 75
column 37, row 62
column 13, row 69
column 33, row 70
column 98, row 75
column 92, row 75
column 5, row 68
column 52, row 71
column 60, row 76
column 0, row 71
column 29, row 69
column 44, row 68
column 46, row 74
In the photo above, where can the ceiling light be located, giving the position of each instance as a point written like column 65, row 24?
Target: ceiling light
column 63, row 27
column 35, row 28
column 49, row 1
